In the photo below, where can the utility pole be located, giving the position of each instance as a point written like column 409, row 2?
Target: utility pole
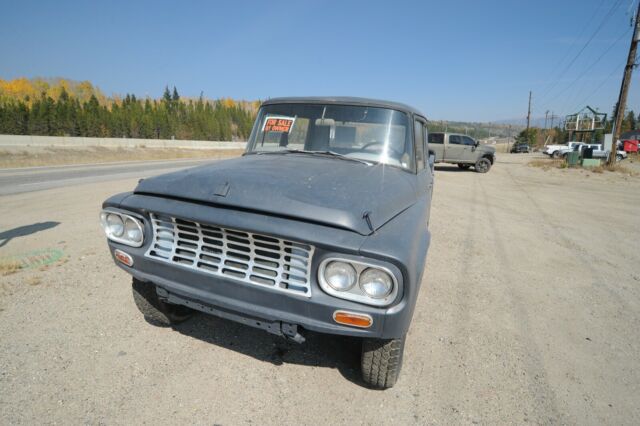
column 529, row 113
column 624, row 88
column 546, row 115
column 553, row 116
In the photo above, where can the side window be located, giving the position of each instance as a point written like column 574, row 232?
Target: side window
column 436, row 138
column 419, row 142
column 468, row 141
column 455, row 140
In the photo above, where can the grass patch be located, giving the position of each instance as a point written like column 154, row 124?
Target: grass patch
column 8, row 267
column 617, row 167
column 47, row 156
column 546, row 164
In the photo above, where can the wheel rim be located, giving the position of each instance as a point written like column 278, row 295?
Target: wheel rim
column 482, row 165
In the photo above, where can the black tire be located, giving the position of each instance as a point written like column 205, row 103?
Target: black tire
column 555, row 154
column 483, row 165
column 619, row 157
column 382, row 361
column 464, row 166
column 156, row 311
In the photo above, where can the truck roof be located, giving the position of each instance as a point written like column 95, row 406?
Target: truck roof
column 344, row 100
column 450, row 133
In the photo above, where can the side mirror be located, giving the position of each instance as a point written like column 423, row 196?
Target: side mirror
column 432, row 160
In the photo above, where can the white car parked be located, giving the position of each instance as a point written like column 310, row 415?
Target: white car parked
column 557, row 151
column 598, row 151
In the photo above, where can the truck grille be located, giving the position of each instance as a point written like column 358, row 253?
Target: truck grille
column 248, row 257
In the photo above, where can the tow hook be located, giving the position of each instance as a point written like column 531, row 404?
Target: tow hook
column 290, row 332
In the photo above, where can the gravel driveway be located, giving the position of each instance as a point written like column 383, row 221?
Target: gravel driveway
column 529, row 313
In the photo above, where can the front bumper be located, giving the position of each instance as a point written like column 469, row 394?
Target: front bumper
column 276, row 312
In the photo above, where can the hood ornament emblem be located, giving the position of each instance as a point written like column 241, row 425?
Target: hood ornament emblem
column 222, row 189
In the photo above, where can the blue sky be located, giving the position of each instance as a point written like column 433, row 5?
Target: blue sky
column 454, row 60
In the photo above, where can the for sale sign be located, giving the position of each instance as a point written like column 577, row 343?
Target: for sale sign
column 278, row 124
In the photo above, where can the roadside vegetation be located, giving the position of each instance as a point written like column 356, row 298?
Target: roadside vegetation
column 66, row 108
column 553, row 163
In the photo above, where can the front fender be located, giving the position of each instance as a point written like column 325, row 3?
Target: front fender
column 405, row 240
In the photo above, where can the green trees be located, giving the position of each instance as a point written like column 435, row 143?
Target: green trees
column 629, row 122
column 169, row 117
column 528, row 136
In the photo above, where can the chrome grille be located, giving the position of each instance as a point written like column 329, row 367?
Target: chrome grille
column 251, row 258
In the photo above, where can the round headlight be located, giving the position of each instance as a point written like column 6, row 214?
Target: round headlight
column 340, row 275
column 115, row 226
column 132, row 231
column 376, row 283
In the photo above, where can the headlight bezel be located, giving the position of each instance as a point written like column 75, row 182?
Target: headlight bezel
column 355, row 293
column 125, row 217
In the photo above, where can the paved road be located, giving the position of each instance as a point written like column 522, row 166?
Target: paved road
column 16, row 181
column 528, row 314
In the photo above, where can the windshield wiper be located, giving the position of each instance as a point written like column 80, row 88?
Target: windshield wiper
column 323, row 153
column 342, row 156
column 281, row 151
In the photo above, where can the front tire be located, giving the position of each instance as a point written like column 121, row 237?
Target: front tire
column 156, row 311
column 619, row 157
column 382, row 361
column 555, row 154
column 483, row 165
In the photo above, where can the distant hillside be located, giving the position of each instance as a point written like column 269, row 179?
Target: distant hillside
column 535, row 121
column 475, row 129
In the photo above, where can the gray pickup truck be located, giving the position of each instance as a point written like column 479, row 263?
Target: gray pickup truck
column 322, row 225
column 461, row 150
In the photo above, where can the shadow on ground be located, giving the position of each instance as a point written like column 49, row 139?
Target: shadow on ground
column 452, row 168
column 23, row 231
column 319, row 350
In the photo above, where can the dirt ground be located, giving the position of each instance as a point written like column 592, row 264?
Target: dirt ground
column 48, row 156
column 529, row 313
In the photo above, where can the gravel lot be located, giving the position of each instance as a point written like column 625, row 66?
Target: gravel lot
column 529, row 313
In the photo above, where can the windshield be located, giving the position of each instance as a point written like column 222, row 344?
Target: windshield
column 375, row 135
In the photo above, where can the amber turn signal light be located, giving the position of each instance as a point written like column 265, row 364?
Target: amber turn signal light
column 353, row 319
column 123, row 257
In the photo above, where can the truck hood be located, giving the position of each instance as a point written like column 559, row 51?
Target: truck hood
column 329, row 191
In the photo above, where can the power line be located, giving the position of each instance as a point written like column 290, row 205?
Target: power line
column 593, row 35
column 587, row 69
column 606, row 79
column 573, row 43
